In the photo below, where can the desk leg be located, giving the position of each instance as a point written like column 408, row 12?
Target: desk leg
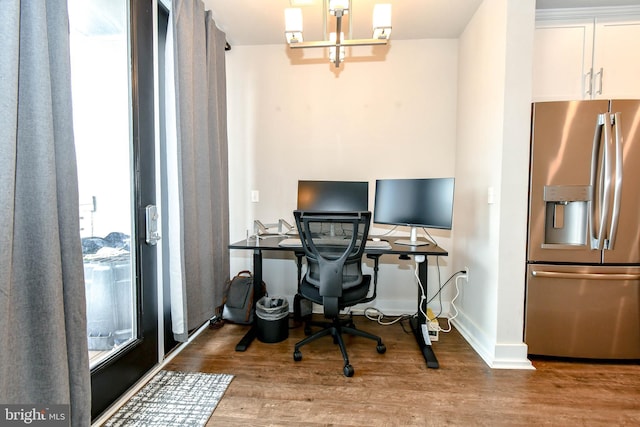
column 297, row 299
column 416, row 323
column 257, row 294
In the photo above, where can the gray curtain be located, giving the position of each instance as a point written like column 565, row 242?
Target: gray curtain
column 196, row 164
column 43, row 344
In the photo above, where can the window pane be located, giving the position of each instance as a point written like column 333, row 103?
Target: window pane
column 101, row 116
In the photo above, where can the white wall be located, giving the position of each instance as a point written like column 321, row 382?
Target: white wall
column 374, row 119
column 492, row 152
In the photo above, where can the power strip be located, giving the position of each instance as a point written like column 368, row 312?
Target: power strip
column 433, row 327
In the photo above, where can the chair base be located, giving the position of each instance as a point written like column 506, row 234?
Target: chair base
column 336, row 328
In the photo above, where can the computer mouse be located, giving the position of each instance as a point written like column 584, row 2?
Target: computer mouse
column 375, row 239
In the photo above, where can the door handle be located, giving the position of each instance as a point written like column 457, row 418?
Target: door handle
column 600, row 74
column 599, row 170
column 151, row 223
column 617, row 182
column 584, row 276
column 589, row 76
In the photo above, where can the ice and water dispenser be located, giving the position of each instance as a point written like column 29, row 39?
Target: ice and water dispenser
column 566, row 215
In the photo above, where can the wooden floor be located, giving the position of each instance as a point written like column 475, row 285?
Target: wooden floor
column 397, row 389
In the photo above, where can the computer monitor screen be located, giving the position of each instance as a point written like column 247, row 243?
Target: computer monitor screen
column 333, row 196
column 415, row 203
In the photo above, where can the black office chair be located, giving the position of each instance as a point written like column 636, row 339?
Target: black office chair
column 334, row 244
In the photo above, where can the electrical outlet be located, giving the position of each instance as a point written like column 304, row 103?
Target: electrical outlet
column 491, row 195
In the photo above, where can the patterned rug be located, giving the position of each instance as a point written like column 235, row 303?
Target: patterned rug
column 173, row 398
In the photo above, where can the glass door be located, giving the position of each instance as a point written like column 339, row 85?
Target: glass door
column 112, row 87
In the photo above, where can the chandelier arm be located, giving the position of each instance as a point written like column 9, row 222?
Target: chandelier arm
column 327, row 43
column 364, row 42
column 320, row 43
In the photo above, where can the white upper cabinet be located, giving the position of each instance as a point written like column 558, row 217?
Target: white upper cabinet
column 616, row 60
column 562, row 55
column 586, row 55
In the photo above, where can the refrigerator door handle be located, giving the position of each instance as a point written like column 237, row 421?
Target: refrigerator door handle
column 617, row 185
column 599, row 172
column 584, row 276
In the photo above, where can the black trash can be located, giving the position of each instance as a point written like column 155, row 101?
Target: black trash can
column 272, row 319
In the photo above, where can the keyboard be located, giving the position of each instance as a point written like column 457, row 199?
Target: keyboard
column 296, row 243
column 290, row 243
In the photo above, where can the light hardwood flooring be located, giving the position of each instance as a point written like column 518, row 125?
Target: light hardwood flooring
column 397, row 389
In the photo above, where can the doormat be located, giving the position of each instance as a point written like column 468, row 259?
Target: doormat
column 173, row 398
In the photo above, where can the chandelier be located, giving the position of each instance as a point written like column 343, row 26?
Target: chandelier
column 335, row 40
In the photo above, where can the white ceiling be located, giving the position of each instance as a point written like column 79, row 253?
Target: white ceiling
column 255, row 22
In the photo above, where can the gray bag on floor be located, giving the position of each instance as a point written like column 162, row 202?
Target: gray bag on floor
column 238, row 301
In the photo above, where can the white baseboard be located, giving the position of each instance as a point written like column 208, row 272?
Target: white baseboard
column 398, row 307
column 496, row 356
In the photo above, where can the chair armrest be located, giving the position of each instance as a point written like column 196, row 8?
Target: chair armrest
column 376, row 265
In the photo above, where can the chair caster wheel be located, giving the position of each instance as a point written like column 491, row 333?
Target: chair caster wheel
column 297, row 355
column 381, row 348
column 348, row 370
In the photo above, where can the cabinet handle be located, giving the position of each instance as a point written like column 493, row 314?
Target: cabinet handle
column 600, row 73
column 589, row 83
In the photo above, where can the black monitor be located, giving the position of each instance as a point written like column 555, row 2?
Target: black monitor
column 415, row 203
column 333, row 196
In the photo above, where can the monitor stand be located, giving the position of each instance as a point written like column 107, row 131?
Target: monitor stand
column 413, row 239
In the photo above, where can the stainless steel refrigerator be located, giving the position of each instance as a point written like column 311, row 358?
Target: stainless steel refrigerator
column 583, row 254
